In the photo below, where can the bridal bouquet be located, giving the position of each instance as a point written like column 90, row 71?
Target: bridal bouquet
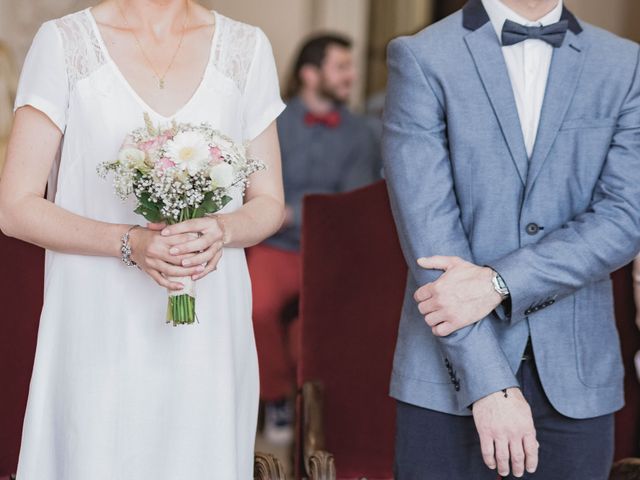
column 179, row 172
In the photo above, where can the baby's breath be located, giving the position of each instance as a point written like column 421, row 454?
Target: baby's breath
column 173, row 190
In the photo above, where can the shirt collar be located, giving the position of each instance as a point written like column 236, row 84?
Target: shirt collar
column 499, row 13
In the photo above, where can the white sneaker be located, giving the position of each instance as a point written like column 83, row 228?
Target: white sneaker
column 278, row 422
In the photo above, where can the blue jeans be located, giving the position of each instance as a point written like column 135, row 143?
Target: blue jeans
column 432, row 445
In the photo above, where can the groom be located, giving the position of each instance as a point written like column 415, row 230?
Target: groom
column 512, row 153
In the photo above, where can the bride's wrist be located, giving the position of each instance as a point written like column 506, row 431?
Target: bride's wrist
column 223, row 225
column 128, row 244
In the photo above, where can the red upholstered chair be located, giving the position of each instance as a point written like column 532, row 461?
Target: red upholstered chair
column 353, row 281
column 353, row 285
column 21, row 285
column 627, row 419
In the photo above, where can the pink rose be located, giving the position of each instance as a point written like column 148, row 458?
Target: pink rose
column 216, row 155
column 164, row 137
column 147, row 146
column 166, row 163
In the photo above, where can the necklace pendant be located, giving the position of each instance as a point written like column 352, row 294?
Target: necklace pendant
column 161, row 83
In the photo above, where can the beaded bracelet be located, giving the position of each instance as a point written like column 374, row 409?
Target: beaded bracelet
column 125, row 248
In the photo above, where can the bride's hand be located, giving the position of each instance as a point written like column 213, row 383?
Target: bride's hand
column 150, row 251
column 206, row 249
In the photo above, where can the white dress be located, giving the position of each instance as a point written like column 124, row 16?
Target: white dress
column 117, row 394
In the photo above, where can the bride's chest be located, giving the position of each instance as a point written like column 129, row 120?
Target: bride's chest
column 105, row 104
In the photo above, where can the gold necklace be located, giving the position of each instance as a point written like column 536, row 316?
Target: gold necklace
column 161, row 82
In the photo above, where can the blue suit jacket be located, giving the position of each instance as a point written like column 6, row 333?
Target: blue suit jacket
column 554, row 226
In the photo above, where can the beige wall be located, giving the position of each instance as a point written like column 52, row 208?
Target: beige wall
column 286, row 22
column 387, row 21
column 619, row 16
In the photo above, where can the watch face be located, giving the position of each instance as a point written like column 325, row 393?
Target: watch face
column 500, row 286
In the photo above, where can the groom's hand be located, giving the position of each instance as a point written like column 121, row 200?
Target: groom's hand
column 463, row 295
column 507, row 434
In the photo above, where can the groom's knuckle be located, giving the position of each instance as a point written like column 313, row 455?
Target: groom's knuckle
column 517, row 457
column 502, row 457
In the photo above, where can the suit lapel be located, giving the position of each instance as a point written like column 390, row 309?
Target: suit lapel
column 564, row 73
column 489, row 61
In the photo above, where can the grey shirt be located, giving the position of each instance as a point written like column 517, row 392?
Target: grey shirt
column 321, row 159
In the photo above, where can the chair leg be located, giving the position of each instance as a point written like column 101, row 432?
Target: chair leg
column 267, row 467
column 320, row 465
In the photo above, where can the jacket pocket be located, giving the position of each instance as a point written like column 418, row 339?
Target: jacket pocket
column 585, row 122
column 598, row 355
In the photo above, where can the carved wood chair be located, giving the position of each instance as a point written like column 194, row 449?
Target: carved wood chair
column 349, row 241
column 268, row 467
column 353, row 285
column 22, row 302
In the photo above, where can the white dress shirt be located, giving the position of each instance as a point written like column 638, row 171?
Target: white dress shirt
column 528, row 65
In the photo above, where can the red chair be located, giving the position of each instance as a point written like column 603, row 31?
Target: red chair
column 21, row 286
column 353, row 281
column 627, row 419
column 352, row 289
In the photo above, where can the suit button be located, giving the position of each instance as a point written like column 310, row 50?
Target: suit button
column 533, row 229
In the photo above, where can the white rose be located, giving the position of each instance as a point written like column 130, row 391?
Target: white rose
column 133, row 158
column 221, row 175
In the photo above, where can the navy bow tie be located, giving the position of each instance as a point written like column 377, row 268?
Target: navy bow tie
column 553, row 34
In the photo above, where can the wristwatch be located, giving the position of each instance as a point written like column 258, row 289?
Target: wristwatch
column 499, row 285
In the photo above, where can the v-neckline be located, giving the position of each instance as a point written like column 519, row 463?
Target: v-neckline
column 143, row 103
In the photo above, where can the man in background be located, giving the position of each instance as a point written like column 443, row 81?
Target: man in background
column 325, row 149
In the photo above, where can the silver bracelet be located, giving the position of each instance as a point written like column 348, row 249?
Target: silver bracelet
column 125, row 248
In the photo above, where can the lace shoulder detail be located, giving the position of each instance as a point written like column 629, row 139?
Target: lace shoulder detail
column 83, row 53
column 234, row 49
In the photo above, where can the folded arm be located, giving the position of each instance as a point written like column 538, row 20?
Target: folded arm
column 595, row 243
column 422, row 192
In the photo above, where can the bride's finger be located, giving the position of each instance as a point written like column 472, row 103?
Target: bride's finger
column 156, row 226
column 203, row 257
column 164, row 282
column 195, row 225
column 211, row 266
column 176, row 259
column 171, row 270
column 193, row 246
column 180, row 238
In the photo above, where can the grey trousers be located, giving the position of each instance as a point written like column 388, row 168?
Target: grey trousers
column 432, row 445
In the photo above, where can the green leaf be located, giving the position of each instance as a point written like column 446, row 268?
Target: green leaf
column 153, row 215
column 225, row 201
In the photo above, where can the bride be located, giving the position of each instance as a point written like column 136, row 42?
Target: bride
column 115, row 392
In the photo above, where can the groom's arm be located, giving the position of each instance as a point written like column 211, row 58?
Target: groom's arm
column 422, row 192
column 595, row 243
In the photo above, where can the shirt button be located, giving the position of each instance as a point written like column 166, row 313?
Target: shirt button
column 533, row 229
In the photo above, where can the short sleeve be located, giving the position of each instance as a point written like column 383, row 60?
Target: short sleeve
column 43, row 82
column 262, row 101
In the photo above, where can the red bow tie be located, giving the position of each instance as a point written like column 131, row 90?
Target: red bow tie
column 331, row 119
